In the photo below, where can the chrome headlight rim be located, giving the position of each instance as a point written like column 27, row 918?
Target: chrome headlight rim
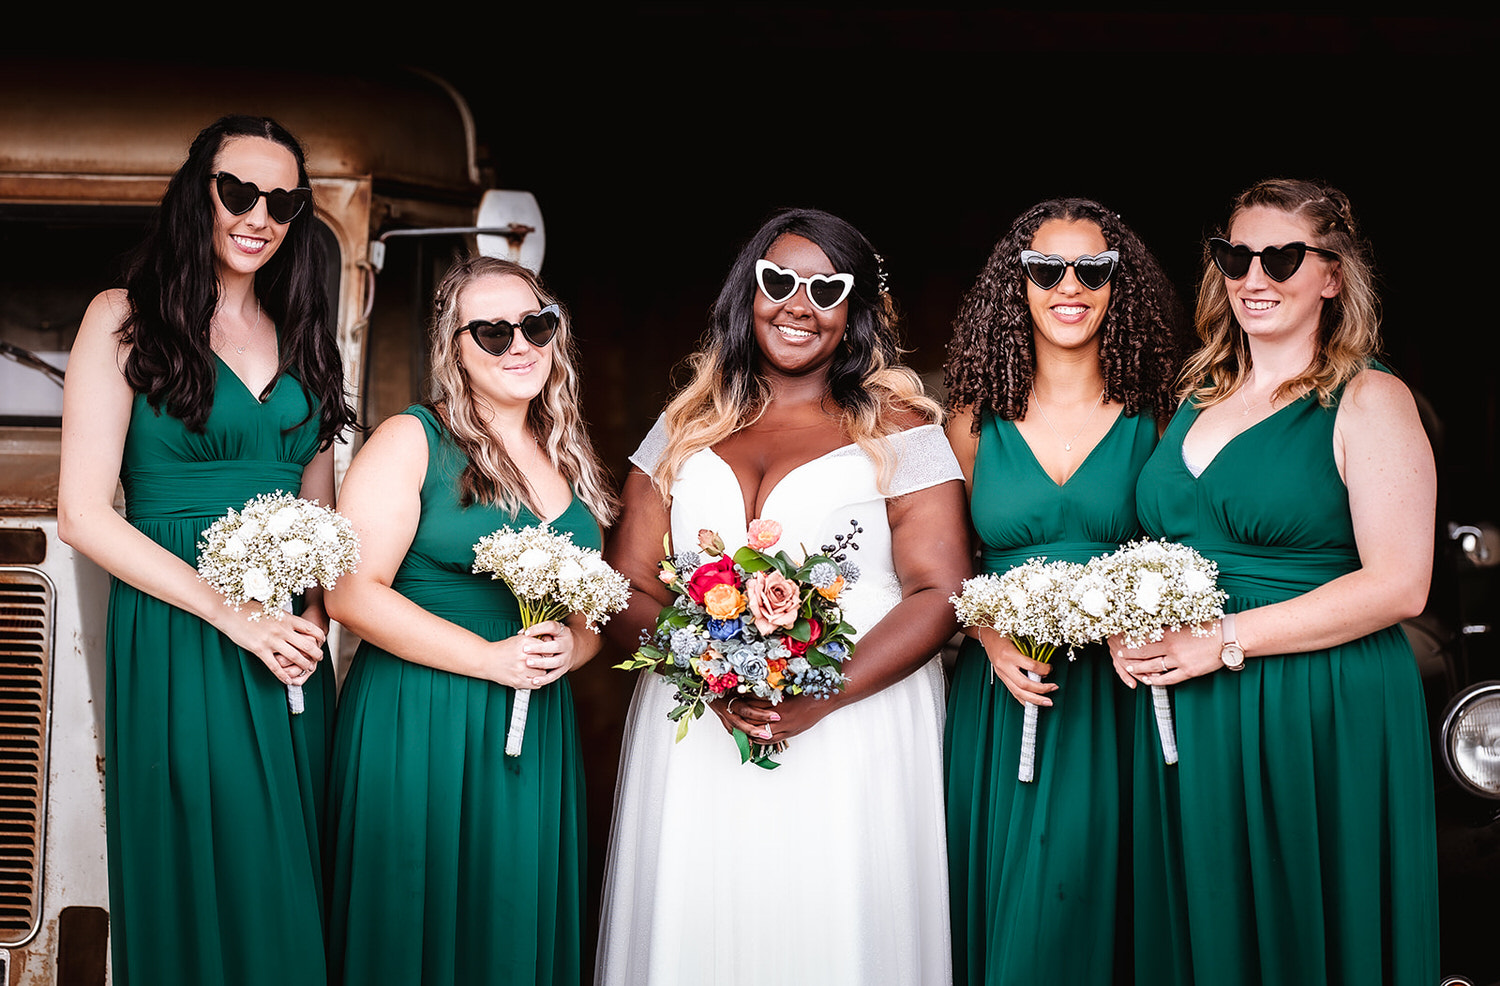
column 1458, row 705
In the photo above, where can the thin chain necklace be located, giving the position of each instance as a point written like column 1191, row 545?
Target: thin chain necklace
column 248, row 336
column 1068, row 444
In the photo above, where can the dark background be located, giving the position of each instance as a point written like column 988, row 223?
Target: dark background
column 657, row 137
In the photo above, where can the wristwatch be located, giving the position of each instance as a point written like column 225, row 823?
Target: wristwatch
column 1231, row 653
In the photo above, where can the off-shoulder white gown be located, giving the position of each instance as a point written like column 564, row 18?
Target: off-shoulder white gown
column 832, row 868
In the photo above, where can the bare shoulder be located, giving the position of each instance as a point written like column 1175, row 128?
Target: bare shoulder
column 960, row 431
column 399, row 445
column 1377, row 399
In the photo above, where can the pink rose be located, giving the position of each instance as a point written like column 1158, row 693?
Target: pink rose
column 774, row 600
column 705, row 577
column 764, row 533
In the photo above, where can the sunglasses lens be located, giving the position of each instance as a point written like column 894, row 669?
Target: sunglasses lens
column 1280, row 263
column 540, row 328
column 1045, row 272
column 238, row 196
column 1233, row 261
column 777, row 285
column 493, row 337
column 284, row 205
column 826, row 293
column 1094, row 272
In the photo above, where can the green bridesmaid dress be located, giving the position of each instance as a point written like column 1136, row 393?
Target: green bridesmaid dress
column 1294, row 843
column 1036, row 867
column 213, row 790
column 453, row 864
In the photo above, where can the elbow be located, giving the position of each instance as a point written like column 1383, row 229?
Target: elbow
column 335, row 604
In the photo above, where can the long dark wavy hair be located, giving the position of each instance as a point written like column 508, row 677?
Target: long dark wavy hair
column 992, row 356
column 173, row 287
column 866, row 380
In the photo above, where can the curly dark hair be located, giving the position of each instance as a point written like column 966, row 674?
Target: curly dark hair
column 173, row 289
column 992, row 357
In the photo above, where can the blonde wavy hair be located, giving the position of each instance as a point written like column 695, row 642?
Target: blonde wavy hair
column 1348, row 326
column 875, row 394
column 553, row 415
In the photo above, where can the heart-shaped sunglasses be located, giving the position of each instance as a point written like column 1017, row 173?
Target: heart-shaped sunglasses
column 282, row 204
column 1046, row 270
column 1279, row 263
column 495, row 337
column 778, row 284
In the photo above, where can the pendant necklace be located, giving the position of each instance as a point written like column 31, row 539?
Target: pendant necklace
column 240, row 350
column 1067, row 445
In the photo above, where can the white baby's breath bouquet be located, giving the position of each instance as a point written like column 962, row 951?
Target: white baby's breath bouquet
column 1031, row 604
column 550, row 577
column 1155, row 586
column 276, row 547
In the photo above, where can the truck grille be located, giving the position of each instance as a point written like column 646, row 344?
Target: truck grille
column 26, row 619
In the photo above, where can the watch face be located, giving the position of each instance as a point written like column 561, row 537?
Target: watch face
column 1233, row 656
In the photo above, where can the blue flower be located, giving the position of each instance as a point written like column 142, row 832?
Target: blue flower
column 724, row 629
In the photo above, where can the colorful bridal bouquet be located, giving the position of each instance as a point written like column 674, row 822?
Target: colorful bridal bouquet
column 550, row 577
column 1154, row 586
column 277, row 547
column 755, row 624
column 1038, row 606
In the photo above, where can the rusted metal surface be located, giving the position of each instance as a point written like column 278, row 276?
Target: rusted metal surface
column 28, row 463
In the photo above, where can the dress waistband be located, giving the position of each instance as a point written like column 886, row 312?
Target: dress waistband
column 1274, row 572
column 203, row 489
column 454, row 597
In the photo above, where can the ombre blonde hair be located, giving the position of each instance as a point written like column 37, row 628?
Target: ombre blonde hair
column 553, row 416
column 875, row 394
column 1348, row 326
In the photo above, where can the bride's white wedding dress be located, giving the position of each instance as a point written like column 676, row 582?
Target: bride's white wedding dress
column 832, row 868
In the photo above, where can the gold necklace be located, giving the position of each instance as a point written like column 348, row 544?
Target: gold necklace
column 240, row 350
column 1067, row 445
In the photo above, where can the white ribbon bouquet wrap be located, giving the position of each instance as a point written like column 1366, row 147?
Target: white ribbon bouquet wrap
column 275, row 548
column 1033, row 605
column 550, row 577
column 1154, row 586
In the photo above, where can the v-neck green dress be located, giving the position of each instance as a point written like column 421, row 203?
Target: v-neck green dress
column 453, row 864
column 1036, row 867
column 1294, row 842
column 213, row 790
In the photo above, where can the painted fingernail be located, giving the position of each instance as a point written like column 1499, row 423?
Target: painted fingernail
column 765, row 734
column 1130, row 668
column 775, row 717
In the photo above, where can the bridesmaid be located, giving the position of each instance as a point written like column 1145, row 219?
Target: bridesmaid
column 1060, row 368
column 210, row 378
column 453, row 863
column 1294, row 842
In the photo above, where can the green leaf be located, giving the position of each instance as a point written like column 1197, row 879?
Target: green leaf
column 801, row 630
column 751, row 560
column 742, row 741
column 682, row 727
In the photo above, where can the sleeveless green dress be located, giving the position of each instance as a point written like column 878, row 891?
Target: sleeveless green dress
column 1036, row 868
column 1294, row 843
column 213, row 790
column 454, row 864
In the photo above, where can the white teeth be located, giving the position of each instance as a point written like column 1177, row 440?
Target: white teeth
column 1069, row 310
column 248, row 243
column 792, row 333
column 1261, row 306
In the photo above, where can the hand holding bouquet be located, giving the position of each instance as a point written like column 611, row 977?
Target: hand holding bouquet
column 551, row 577
column 1154, row 586
column 277, row 547
column 1032, row 605
column 756, row 624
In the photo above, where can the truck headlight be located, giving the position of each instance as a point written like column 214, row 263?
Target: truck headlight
column 1471, row 738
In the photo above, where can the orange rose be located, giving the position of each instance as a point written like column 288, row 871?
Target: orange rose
column 763, row 533
column 724, row 602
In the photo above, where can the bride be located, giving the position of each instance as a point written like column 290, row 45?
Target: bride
column 830, row 868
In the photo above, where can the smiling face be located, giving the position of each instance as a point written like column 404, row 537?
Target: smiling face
column 796, row 337
column 1067, row 316
column 519, row 374
column 243, row 244
column 1268, row 309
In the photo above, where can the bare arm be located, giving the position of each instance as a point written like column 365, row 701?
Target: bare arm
column 635, row 551
column 1387, row 465
column 929, row 545
column 382, row 499
column 96, row 416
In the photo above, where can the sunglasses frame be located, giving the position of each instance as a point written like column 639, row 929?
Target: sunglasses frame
column 763, row 265
column 301, row 195
column 1301, row 249
column 473, row 329
column 1027, row 256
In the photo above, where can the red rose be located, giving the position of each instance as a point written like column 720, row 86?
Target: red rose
column 707, row 576
column 799, row 647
